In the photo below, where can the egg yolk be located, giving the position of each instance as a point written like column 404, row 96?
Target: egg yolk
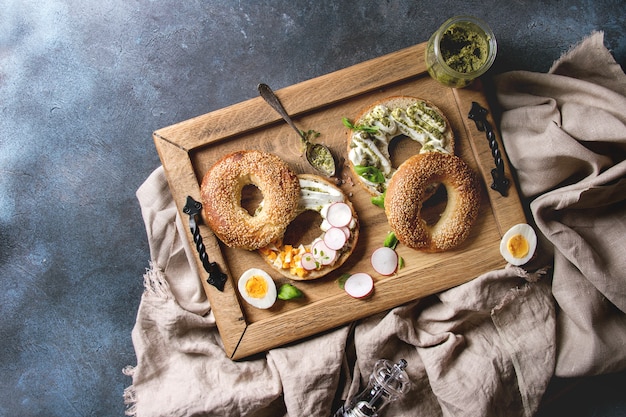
column 256, row 287
column 518, row 246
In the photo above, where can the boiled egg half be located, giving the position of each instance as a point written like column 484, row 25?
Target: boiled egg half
column 518, row 244
column 257, row 288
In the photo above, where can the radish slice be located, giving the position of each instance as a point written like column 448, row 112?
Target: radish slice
column 339, row 214
column 322, row 253
column 385, row 260
column 335, row 238
column 359, row 285
column 346, row 231
column 308, row 261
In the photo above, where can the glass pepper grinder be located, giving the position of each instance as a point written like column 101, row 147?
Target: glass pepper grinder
column 387, row 383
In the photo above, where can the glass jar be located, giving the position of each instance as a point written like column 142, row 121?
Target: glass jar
column 461, row 50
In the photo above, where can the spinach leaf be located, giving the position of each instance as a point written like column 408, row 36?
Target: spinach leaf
column 370, row 173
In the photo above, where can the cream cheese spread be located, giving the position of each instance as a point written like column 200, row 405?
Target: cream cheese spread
column 370, row 147
column 318, row 196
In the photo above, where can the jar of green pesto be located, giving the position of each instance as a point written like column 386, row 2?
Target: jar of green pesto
column 460, row 51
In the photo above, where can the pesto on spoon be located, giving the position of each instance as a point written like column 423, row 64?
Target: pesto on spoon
column 317, row 155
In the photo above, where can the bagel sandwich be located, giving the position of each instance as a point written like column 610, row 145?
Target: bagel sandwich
column 310, row 251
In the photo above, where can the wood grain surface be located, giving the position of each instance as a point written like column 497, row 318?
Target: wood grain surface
column 189, row 148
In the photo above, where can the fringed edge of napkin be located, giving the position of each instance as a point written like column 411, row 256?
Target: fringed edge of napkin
column 155, row 285
column 533, row 276
column 130, row 394
column 573, row 49
column 529, row 394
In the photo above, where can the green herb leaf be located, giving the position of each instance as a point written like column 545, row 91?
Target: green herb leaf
column 391, row 241
column 310, row 134
column 400, row 262
column 370, row 173
column 289, row 292
column 379, row 200
column 347, row 123
column 342, row 280
column 364, row 128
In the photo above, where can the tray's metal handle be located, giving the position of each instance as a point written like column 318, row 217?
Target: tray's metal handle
column 479, row 115
column 216, row 277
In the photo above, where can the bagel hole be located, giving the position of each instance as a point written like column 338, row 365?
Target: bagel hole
column 251, row 198
column 303, row 229
column 435, row 205
column 402, row 147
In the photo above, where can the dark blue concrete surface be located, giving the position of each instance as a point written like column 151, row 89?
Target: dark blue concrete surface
column 82, row 86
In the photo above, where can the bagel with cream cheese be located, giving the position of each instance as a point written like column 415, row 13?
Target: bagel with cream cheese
column 333, row 243
column 221, row 192
column 381, row 122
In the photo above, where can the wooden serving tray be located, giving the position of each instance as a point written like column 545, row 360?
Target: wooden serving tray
column 189, row 148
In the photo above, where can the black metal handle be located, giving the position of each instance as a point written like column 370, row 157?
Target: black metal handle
column 216, row 277
column 479, row 115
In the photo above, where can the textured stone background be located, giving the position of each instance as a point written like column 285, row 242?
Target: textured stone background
column 82, row 86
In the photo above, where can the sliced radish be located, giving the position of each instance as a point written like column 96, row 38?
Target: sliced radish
column 322, row 253
column 385, row 260
column 308, row 261
column 346, row 231
column 359, row 285
column 339, row 214
column 335, row 238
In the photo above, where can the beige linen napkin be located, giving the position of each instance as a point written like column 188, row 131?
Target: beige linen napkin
column 565, row 133
column 182, row 369
column 485, row 348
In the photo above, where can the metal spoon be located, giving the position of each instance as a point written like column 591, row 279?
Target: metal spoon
column 318, row 156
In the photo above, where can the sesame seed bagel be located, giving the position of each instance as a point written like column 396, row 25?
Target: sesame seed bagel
column 407, row 192
column 221, row 190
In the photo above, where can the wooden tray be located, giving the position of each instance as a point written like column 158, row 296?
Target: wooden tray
column 189, row 148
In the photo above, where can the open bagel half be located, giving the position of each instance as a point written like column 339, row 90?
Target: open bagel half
column 312, row 246
column 381, row 122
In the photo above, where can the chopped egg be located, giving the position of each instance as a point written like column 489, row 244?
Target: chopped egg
column 518, row 244
column 257, row 288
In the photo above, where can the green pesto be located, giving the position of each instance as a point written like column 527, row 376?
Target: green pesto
column 313, row 189
column 320, row 158
column 425, row 118
column 463, row 49
column 439, row 121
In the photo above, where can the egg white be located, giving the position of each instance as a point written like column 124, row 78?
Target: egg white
column 268, row 299
column 529, row 234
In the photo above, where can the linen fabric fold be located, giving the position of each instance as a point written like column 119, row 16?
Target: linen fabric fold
column 565, row 135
